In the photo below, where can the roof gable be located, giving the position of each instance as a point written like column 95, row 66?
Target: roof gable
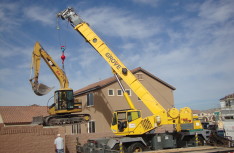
column 21, row 114
column 111, row 80
column 230, row 96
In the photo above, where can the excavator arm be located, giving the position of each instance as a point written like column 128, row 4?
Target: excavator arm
column 64, row 109
column 39, row 88
column 138, row 125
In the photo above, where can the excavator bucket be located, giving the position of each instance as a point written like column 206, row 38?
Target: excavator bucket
column 40, row 89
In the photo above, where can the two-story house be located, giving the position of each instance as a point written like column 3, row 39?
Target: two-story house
column 100, row 99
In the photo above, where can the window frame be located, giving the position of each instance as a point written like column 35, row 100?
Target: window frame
column 138, row 116
column 130, row 91
column 76, row 129
column 118, row 92
column 139, row 76
column 93, row 129
column 87, row 100
column 109, row 92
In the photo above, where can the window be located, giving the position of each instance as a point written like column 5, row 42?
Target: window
column 114, row 121
column 91, row 127
column 56, row 100
column 90, row 101
column 228, row 117
column 121, row 116
column 119, row 92
column 111, row 92
column 139, row 76
column 129, row 92
column 76, row 128
column 133, row 116
column 227, row 104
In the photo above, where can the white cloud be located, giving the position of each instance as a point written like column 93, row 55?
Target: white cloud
column 22, row 96
column 128, row 46
column 121, row 23
column 40, row 14
column 5, row 74
column 9, row 50
column 8, row 13
column 152, row 3
column 197, row 60
column 193, row 52
column 216, row 12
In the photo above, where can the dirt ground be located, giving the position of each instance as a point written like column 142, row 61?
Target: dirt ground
column 203, row 149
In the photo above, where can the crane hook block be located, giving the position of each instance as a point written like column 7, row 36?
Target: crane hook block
column 63, row 57
column 63, row 48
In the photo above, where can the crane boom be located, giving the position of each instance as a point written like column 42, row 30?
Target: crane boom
column 160, row 115
column 92, row 38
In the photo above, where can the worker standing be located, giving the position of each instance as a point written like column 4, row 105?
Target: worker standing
column 58, row 142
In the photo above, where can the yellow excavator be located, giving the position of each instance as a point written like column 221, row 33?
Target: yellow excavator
column 64, row 106
column 138, row 132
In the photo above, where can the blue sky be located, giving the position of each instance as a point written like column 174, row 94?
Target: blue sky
column 188, row 44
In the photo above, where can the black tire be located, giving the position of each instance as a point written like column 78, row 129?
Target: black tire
column 116, row 147
column 136, row 147
column 200, row 141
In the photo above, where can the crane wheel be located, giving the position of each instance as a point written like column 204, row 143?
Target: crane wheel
column 136, row 147
column 117, row 147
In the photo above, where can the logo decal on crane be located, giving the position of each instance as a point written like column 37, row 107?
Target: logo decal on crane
column 112, row 60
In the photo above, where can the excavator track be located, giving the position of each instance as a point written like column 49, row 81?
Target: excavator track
column 64, row 119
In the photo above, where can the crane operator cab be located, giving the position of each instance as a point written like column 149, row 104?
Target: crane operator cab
column 125, row 121
column 63, row 99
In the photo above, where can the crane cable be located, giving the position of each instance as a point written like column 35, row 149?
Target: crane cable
column 31, row 69
column 62, row 47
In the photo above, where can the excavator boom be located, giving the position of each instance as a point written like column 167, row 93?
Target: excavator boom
column 64, row 103
column 39, row 88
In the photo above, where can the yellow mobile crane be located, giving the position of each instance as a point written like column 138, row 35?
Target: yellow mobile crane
column 129, row 123
column 61, row 111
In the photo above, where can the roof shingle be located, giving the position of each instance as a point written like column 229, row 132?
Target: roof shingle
column 231, row 96
column 21, row 114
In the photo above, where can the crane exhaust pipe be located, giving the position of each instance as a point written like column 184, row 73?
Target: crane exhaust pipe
column 40, row 89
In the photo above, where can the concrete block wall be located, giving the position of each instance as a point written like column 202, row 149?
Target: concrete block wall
column 38, row 139
column 28, row 139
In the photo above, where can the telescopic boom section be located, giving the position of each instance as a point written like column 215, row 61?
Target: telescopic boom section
column 91, row 37
column 41, row 89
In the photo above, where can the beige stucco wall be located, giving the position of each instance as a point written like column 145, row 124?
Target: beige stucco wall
column 1, row 120
column 104, row 105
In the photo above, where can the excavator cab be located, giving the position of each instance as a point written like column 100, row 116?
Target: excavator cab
column 63, row 100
